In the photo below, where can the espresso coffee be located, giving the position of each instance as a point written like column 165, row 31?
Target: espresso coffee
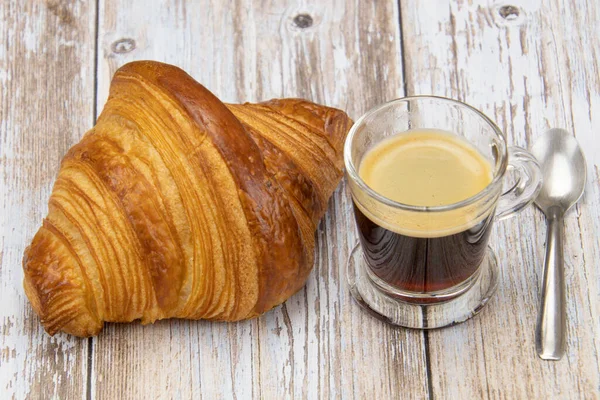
column 425, row 252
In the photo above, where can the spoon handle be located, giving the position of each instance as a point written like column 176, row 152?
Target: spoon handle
column 551, row 328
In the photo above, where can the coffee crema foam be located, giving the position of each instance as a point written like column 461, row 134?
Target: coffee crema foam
column 425, row 167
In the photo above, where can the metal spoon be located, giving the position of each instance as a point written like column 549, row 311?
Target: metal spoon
column 564, row 170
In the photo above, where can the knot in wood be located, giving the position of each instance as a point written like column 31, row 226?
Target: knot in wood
column 123, row 46
column 303, row 21
column 508, row 12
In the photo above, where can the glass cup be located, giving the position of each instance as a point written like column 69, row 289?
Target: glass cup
column 429, row 267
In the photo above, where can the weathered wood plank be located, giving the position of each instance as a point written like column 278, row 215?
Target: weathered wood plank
column 319, row 344
column 529, row 72
column 536, row 71
column 46, row 104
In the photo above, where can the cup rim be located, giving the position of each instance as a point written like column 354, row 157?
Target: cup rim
column 351, row 170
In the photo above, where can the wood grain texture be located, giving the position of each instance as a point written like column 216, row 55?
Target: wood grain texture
column 46, row 104
column 528, row 72
column 318, row 344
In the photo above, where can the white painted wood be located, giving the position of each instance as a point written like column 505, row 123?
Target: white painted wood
column 46, row 101
column 536, row 71
column 318, row 344
column 530, row 73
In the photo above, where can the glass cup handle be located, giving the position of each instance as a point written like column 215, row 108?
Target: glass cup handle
column 528, row 183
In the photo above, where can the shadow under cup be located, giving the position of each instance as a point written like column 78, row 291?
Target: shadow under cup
column 427, row 267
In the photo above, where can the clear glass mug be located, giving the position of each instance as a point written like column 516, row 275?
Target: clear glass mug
column 428, row 267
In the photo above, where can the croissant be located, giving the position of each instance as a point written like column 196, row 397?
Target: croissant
column 176, row 205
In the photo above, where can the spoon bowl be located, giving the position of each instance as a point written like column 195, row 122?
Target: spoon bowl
column 564, row 170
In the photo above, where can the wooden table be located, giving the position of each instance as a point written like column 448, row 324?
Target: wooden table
column 529, row 67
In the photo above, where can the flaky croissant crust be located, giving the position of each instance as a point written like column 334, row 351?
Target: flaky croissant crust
column 176, row 205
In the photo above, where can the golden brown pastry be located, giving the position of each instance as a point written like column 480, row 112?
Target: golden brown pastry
column 176, row 205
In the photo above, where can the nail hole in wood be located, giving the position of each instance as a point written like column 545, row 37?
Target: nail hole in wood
column 509, row 13
column 303, row 21
column 123, row 46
